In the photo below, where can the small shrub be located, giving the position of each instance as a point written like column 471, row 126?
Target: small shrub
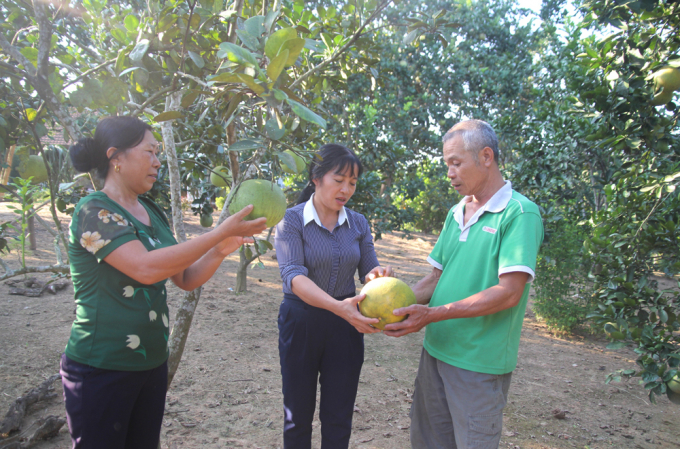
column 561, row 286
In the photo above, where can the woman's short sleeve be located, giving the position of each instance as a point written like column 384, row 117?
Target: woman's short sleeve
column 100, row 230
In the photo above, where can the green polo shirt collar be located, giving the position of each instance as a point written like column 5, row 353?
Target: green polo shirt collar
column 497, row 203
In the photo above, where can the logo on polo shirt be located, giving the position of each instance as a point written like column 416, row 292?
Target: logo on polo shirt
column 489, row 230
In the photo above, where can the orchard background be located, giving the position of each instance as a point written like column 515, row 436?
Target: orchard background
column 588, row 130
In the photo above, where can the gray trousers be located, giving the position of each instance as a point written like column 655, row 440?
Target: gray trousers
column 456, row 408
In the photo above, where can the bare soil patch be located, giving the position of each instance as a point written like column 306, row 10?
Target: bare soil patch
column 227, row 392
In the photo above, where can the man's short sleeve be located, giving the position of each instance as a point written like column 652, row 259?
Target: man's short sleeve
column 100, row 230
column 436, row 257
column 520, row 242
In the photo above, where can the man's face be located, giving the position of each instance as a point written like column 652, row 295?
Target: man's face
column 467, row 175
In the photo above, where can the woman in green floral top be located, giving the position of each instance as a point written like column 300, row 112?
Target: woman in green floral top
column 121, row 250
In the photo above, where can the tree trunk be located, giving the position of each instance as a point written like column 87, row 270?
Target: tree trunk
column 185, row 313
column 31, row 233
column 4, row 175
column 242, row 272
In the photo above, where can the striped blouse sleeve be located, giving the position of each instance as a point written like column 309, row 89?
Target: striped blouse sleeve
column 289, row 248
column 368, row 259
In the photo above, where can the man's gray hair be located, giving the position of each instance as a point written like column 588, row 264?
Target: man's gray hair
column 476, row 135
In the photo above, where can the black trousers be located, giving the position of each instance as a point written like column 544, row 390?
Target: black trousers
column 108, row 409
column 317, row 344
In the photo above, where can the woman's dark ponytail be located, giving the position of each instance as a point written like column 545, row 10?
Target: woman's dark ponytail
column 85, row 157
column 331, row 157
column 121, row 132
column 306, row 194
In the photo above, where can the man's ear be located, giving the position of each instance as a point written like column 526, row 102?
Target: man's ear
column 486, row 156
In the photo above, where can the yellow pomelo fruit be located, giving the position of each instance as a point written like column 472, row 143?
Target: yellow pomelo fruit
column 668, row 78
column 383, row 295
column 206, row 220
column 267, row 198
column 33, row 166
column 663, row 97
column 219, row 181
column 299, row 164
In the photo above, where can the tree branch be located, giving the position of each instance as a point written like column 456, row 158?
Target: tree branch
column 87, row 72
column 342, row 49
column 60, row 269
column 14, row 53
column 44, row 37
column 135, row 105
column 151, row 99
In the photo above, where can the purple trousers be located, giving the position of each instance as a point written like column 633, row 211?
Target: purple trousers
column 108, row 409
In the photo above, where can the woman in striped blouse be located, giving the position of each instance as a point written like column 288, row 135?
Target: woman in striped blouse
column 320, row 245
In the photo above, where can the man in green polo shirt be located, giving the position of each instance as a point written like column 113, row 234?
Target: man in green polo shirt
column 473, row 302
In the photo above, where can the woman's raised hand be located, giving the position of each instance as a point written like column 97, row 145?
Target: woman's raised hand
column 239, row 231
column 349, row 311
column 379, row 272
column 235, row 226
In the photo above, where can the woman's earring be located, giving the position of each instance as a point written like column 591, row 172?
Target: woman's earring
column 117, row 168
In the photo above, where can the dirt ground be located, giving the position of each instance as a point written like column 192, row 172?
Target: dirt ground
column 227, row 392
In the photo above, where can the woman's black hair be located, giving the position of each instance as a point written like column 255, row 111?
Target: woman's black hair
column 334, row 157
column 120, row 132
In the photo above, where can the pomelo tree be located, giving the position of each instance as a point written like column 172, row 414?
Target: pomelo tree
column 232, row 83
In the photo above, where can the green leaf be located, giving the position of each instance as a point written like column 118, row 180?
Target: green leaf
column 254, row 26
column 120, row 35
column 120, row 61
column 312, row 45
column 294, row 47
column 128, row 70
column 275, row 133
column 616, row 345
column 31, row 114
column 198, row 60
column 250, row 82
column 30, row 53
column 140, row 50
column 245, row 144
column 166, row 22
column 287, row 159
column 277, row 65
column 249, row 252
column 237, row 54
column 274, row 43
column 225, row 78
column 270, row 19
column 439, row 14
column 189, row 98
column 248, row 40
column 305, row 113
column 410, row 37
column 169, row 115
column 131, row 23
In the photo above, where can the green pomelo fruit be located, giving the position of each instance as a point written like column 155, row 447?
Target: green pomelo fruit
column 674, row 384
column 299, row 164
column 60, row 204
column 673, row 396
column 33, row 166
column 267, row 198
column 206, row 220
column 663, row 97
column 219, row 181
column 276, row 41
column 668, row 78
column 383, row 295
